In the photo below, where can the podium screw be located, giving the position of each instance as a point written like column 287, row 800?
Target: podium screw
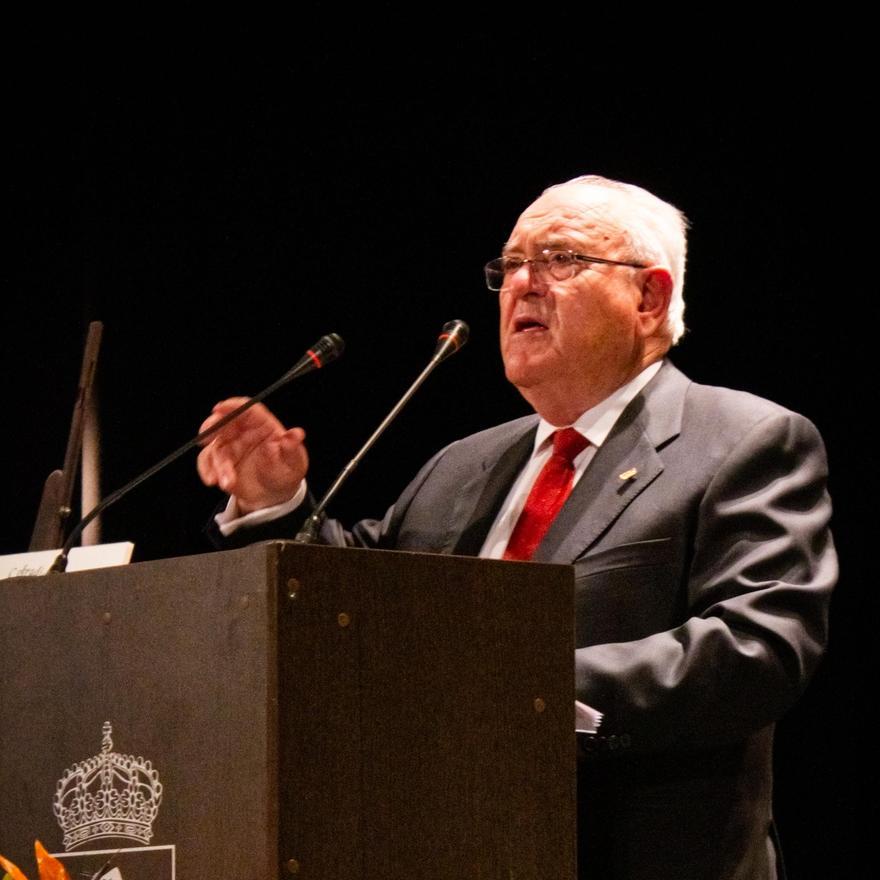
column 292, row 866
column 343, row 619
column 540, row 705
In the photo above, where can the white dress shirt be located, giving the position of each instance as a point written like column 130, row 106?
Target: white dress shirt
column 595, row 424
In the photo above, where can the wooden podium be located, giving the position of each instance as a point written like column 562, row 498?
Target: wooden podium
column 287, row 711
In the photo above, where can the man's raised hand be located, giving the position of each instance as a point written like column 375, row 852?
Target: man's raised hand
column 254, row 457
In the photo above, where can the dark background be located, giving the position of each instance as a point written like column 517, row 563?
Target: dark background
column 220, row 215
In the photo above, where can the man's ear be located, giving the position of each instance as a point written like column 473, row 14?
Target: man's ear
column 656, row 295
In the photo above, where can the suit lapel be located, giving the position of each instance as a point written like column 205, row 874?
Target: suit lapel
column 627, row 463
column 621, row 470
column 481, row 498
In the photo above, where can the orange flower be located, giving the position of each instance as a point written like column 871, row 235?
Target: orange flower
column 49, row 868
column 11, row 870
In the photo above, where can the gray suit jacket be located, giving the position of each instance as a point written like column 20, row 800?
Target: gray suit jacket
column 703, row 562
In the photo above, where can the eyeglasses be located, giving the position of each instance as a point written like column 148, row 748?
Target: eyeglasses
column 557, row 265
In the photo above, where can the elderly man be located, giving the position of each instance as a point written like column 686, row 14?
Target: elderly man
column 696, row 519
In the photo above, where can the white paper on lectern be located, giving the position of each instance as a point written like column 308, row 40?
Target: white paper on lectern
column 80, row 559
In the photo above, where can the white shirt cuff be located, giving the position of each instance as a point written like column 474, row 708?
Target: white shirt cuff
column 229, row 520
column 586, row 718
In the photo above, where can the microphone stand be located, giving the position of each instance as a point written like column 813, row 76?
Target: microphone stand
column 327, row 349
column 451, row 339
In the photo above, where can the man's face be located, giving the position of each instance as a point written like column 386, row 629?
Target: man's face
column 567, row 345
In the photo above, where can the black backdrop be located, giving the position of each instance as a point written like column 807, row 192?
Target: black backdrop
column 219, row 216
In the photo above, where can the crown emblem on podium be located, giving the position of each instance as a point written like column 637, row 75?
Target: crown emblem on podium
column 108, row 795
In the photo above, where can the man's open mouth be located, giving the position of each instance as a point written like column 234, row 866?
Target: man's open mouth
column 526, row 325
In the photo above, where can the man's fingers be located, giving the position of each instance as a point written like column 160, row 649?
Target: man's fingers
column 221, row 409
column 206, row 466
column 229, row 404
column 216, row 469
column 292, row 452
column 208, row 423
column 234, row 445
column 253, row 457
column 292, row 439
column 256, row 417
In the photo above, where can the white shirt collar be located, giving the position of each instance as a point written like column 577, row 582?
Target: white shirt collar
column 596, row 423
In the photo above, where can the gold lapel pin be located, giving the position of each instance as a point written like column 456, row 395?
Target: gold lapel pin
column 628, row 475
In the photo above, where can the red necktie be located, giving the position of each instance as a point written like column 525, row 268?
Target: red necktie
column 548, row 494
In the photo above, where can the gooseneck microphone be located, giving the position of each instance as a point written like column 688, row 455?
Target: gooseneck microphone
column 452, row 338
column 328, row 348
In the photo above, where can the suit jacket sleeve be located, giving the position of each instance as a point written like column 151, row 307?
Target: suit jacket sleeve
column 368, row 533
column 755, row 586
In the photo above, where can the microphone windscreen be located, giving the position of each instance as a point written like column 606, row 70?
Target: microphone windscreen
column 326, row 349
column 453, row 336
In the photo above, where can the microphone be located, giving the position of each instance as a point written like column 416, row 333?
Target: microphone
column 327, row 349
column 452, row 337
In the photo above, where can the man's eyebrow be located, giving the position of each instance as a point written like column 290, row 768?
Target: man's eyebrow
column 548, row 244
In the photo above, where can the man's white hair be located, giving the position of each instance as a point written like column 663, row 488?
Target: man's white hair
column 657, row 233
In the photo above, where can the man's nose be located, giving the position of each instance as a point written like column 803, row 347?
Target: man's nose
column 527, row 279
